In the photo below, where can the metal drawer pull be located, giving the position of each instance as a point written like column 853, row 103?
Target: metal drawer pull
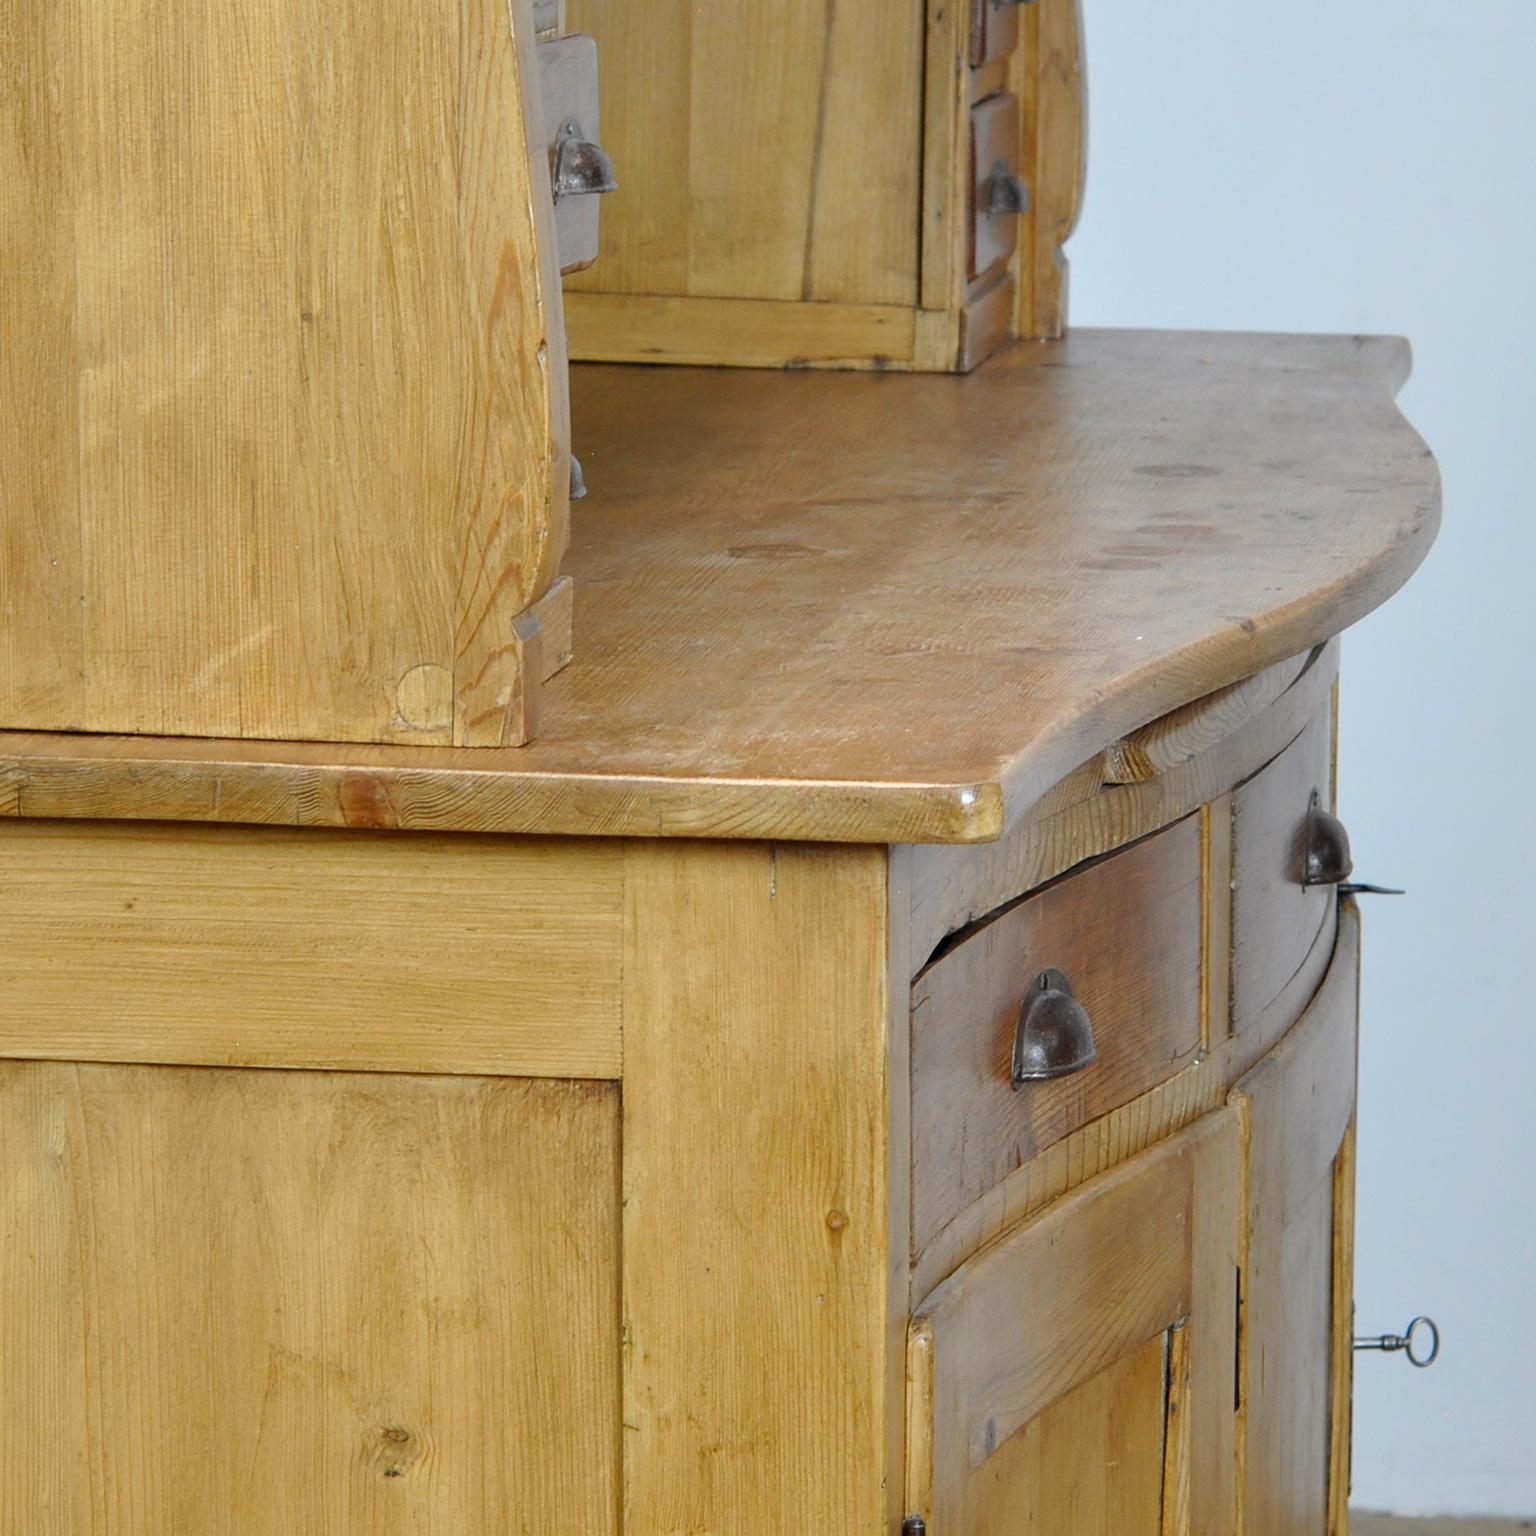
column 1326, row 859
column 1054, row 1036
column 579, row 166
column 1005, row 192
column 1417, row 1354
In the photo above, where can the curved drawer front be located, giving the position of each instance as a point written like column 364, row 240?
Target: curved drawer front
column 1282, row 929
column 1126, row 934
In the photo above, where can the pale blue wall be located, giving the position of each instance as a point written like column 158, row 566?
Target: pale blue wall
column 1370, row 165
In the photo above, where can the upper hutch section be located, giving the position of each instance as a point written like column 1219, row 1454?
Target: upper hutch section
column 865, row 183
column 282, row 384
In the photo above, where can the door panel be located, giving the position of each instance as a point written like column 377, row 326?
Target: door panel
column 306, row 1304
column 1076, row 1378
column 1296, row 1107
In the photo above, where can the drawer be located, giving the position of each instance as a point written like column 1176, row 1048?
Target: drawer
column 1282, row 929
column 1126, row 931
column 994, row 213
column 994, row 30
column 1077, row 1375
column 568, row 91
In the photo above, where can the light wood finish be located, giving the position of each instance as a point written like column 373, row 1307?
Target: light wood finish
column 1296, row 1107
column 811, row 620
column 1184, row 733
column 282, row 404
column 1049, row 79
column 809, row 203
column 1083, row 816
column 1282, row 930
column 1341, row 1388
column 759, row 1378
column 1076, row 1293
column 641, row 328
column 264, row 947
column 267, row 1303
column 1103, row 1143
column 1053, row 1475
column 785, row 172
column 1127, row 932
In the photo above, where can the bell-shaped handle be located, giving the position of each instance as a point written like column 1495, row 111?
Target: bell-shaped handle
column 580, row 167
column 1003, row 192
column 1326, row 858
column 1054, row 1036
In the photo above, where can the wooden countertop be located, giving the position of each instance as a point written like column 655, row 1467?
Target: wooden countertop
column 879, row 608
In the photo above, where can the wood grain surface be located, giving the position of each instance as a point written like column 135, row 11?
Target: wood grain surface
column 761, row 1391
column 764, row 151
column 265, row 1303
column 1009, row 1347
column 246, row 946
column 1127, row 931
column 282, row 392
column 1296, row 1107
column 896, row 609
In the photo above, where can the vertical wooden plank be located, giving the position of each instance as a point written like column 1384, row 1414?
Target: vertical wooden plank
column 1295, row 1106
column 1342, row 1387
column 763, row 150
column 758, row 1377
column 1216, row 1014
column 862, row 237
column 245, row 1303
column 1049, row 79
column 645, row 69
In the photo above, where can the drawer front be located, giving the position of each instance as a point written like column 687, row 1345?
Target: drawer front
column 1282, row 929
column 994, row 152
column 1101, row 1333
column 568, row 87
column 1126, row 932
column 994, row 30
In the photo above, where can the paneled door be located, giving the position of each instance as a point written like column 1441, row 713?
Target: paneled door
column 1076, row 1378
column 266, row 1303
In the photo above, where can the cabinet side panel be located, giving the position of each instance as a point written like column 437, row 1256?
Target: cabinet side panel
column 281, row 433
column 265, row 1302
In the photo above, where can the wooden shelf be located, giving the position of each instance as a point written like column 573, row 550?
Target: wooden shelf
column 866, row 608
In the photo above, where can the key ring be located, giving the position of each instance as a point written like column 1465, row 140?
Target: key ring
column 1406, row 1342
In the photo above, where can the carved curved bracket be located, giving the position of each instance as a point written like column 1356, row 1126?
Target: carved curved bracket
column 1056, row 149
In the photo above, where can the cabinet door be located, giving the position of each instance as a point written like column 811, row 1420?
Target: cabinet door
column 1076, row 1378
column 306, row 1303
column 1296, row 1107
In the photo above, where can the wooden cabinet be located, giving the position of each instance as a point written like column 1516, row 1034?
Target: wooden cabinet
column 620, row 1134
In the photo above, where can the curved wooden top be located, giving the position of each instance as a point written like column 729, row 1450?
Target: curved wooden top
column 854, row 607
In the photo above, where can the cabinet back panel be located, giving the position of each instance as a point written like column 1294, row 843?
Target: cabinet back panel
column 763, row 150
